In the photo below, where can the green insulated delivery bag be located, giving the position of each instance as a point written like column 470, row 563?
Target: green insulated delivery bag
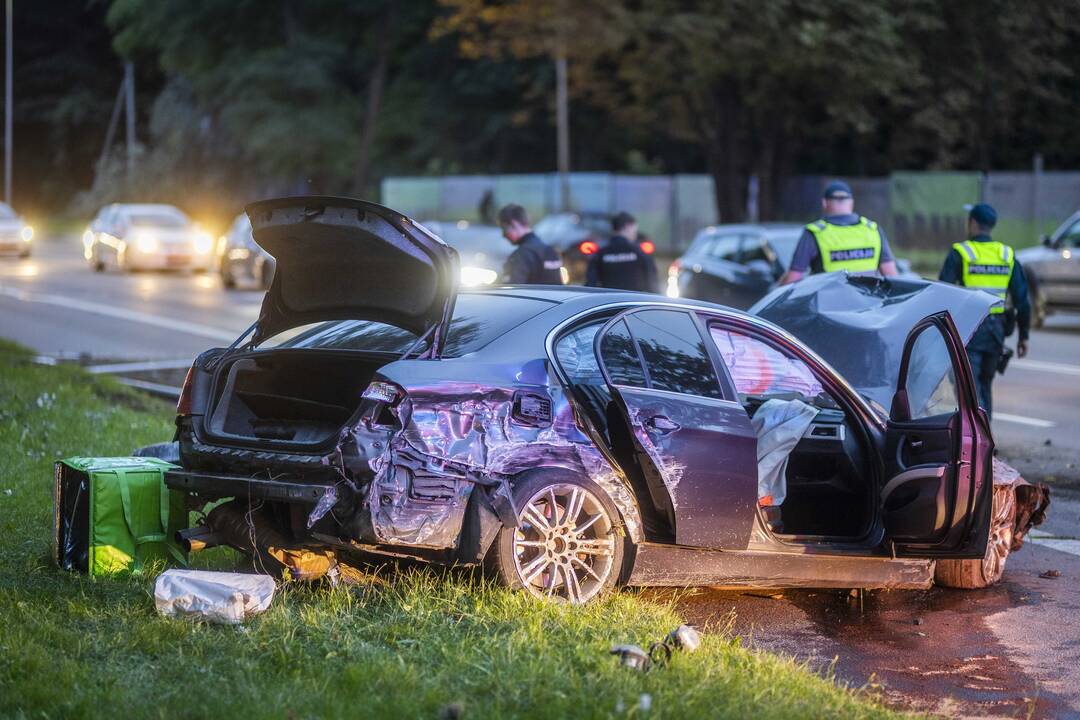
column 115, row 514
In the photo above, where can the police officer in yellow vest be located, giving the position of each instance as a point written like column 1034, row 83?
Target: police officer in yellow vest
column 840, row 240
column 982, row 263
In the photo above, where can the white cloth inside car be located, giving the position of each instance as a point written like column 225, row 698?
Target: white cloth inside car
column 779, row 425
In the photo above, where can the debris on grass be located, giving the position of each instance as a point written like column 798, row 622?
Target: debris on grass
column 218, row 597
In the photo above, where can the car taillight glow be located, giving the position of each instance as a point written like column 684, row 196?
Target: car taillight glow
column 183, row 405
column 673, row 268
column 588, row 247
column 647, row 247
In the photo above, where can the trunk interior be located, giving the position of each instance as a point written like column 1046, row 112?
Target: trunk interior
column 292, row 397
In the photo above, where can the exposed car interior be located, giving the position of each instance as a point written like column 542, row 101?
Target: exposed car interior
column 300, row 396
column 829, row 491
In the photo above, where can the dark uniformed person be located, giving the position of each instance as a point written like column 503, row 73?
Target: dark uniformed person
column 533, row 262
column 840, row 240
column 982, row 263
column 621, row 263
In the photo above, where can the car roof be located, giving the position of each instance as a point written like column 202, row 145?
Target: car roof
column 767, row 228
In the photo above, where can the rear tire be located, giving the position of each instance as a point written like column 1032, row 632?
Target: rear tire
column 975, row 574
column 568, row 547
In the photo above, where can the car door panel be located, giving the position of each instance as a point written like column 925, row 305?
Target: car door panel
column 698, row 453
column 704, row 452
column 937, row 496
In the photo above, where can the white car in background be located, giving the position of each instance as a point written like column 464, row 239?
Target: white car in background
column 143, row 236
column 15, row 234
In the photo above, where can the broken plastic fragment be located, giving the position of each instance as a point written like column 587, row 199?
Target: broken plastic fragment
column 326, row 502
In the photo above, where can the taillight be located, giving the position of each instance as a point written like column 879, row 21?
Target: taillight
column 647, row 247
column 588, row 247
column 183, row 405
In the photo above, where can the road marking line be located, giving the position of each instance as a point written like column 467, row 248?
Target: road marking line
column 120, row 313
column 1023, row 420
column 139, row 366
column 1043, row 366
column 1069, row 546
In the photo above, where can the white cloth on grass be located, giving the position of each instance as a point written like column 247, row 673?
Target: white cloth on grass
column 779, row 425
column 221, row 597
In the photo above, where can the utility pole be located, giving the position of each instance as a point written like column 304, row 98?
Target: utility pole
column 9, row 35
column 562, row 121
column 129, row 101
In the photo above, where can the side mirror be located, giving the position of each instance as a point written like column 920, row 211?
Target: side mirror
column 1045, row 240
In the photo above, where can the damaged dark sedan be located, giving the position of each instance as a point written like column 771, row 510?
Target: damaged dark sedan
column 573, row 439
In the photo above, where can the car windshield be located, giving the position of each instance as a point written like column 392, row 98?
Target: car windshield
column 159, row 218
column 784, row 245
column 478, row 319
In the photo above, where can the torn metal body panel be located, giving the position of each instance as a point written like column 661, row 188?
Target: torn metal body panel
column 455, row 435
column 1032, row 500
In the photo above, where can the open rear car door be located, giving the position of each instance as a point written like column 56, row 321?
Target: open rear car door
column 938, row 491
column 692, row 447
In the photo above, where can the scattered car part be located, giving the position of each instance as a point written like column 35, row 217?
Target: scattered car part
column 218, row 597
column 633, row 657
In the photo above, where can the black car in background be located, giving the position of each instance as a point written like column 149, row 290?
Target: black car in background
column 577, row 236
column 1053, row 271
column 733, row 265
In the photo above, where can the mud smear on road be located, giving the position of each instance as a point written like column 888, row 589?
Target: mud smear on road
column 928, row 651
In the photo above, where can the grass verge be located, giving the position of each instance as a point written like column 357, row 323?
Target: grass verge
column 418, row 644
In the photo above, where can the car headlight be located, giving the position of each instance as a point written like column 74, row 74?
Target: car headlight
column 203, row 243
column 88, row 238
column 146, row 243
column 473, row 276
column 27, row 233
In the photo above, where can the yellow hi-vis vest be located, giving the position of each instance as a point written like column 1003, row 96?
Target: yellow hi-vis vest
column 855, row 248
column 987, row 266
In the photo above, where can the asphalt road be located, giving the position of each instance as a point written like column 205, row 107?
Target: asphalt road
column 1007, row 651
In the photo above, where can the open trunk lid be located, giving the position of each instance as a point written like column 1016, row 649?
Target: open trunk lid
column 859, row 323
column 340, row 258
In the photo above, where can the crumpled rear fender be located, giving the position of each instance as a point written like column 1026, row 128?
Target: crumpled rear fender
column 455, row 436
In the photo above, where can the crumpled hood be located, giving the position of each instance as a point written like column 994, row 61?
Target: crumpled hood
column 345, row 259
column 859, row 324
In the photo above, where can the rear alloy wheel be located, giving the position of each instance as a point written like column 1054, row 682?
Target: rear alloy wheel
column 567, row 546
column 974, row 574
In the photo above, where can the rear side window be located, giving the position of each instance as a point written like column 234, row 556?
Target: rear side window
column 759, row 369
column 674, row 353
column 621, row 357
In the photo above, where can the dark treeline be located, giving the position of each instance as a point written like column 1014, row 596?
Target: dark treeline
column 242, row 98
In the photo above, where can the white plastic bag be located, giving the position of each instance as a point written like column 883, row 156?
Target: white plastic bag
column 213, row 596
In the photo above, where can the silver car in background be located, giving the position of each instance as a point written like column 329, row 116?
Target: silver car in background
column 15, row 234
column 241, row 261
column 143, row 236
